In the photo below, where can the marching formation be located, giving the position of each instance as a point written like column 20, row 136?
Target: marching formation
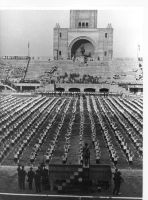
column 34, row 129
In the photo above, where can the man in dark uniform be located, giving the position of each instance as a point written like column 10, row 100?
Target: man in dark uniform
column 86, row 155
column 117, row 182
column 19, row 176
column 22, row 176
column 38, row 180
column 30, row 175
column 45, row 178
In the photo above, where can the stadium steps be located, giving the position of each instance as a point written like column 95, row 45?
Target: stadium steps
column 77, row 182
column 38, row 67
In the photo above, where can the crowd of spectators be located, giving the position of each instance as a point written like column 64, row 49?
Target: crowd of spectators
column 17, row 71
column 29, row 81
column 77, row 78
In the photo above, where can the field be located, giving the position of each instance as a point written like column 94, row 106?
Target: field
column 54, row 130
column 37, row 127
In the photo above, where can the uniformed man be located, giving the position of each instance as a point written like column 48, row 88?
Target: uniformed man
column 117, row 181
column 45, row 178
column 30, row 175
column 22, row 177
column 86, row 155
column 19, row 176
column 38, row 180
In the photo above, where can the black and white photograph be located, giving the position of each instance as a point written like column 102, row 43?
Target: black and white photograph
column 71, row 103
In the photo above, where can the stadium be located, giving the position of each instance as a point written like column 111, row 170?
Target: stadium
column 52, row 107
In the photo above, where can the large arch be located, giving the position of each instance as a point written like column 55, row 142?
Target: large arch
column 81, row 42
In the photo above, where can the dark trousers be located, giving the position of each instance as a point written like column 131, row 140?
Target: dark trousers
column 23, row 184
column 19, row 183
column 38, row 187
column 86, row 161
column 116, row 189
column 30, row 185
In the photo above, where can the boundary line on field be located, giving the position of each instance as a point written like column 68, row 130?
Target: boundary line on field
column 72, row 196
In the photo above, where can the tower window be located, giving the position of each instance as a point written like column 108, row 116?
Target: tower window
column 60, row 35
column 83, row 24
column 60, row 53
column 105, row 35
column 105, row 53
column 87, row 24
column 79, row 25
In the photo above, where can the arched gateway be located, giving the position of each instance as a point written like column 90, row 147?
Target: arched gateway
column 83, row 37
column 82, row 46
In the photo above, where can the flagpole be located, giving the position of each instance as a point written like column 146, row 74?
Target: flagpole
column 28, row 49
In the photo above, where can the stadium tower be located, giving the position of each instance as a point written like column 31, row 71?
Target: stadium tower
column 83, row 38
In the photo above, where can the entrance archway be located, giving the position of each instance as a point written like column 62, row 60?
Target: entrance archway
column 89, row 90
column 136, row 90
column 74, row 89
column 82, row 46
column 60, row 89
column 28, row 88
column 104, row 90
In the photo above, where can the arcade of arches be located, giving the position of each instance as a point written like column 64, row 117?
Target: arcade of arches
column 102, row 90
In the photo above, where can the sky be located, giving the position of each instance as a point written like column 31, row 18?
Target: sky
column 17, row 27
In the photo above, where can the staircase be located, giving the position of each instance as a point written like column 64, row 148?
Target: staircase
column 77, row 182
column 9, row 85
